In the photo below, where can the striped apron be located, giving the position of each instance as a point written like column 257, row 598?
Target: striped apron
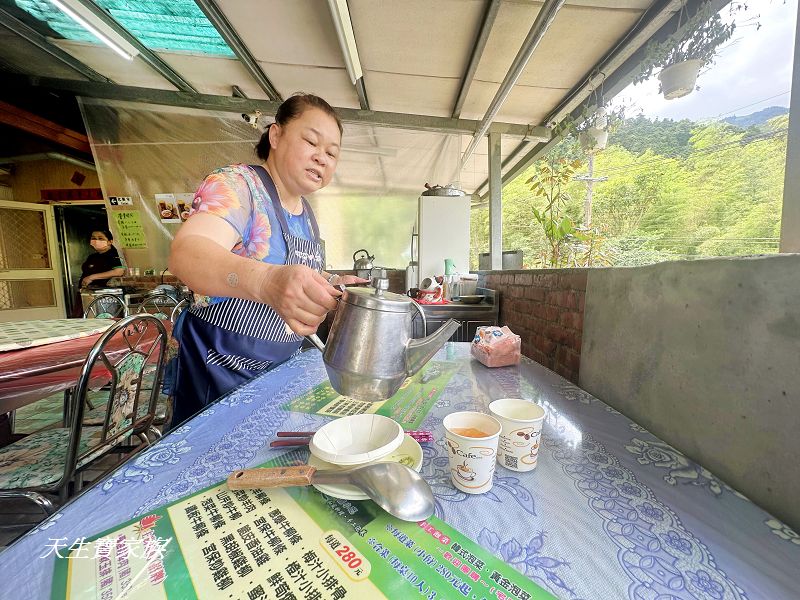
column 225, row 344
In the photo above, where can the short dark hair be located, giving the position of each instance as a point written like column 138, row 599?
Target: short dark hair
column 291, row 108
column 106, row 233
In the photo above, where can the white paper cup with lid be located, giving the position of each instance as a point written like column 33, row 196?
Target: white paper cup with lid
column 521, row 435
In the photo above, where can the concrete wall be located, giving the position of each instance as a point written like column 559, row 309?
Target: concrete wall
column 706, row 355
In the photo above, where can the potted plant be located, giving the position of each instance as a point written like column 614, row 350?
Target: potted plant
column 593, row 132
column 679, row 58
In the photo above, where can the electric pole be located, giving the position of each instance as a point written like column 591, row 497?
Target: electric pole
column 589, row 179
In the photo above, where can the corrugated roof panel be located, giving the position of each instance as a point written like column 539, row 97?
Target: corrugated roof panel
column 168, row 25
column 172, row 25
column 46, row 12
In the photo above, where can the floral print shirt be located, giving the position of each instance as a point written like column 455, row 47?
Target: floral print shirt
column 236, row 194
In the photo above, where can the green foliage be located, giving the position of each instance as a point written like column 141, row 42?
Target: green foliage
column 663, row 137
column 718, row 193
column 549, row 187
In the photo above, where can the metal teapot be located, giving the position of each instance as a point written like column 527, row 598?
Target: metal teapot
column 361, row 263
column 370, row 349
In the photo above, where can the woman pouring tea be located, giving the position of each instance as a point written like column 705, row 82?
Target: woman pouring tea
column 251, row 243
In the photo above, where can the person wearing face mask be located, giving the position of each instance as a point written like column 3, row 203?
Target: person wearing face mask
column 251, row 243
column 104, row 263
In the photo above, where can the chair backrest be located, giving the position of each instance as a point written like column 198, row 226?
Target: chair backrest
column 106, row 306
column 122, row 353
column 179, row 308
column 159, row 305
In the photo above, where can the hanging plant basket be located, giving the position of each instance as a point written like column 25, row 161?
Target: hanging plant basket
column 593, row 139
column 679, row 79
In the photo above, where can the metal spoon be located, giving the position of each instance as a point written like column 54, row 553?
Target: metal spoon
column 397, row 489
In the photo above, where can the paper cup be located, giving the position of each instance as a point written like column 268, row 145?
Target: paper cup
column 471, row 439
column 521, row 434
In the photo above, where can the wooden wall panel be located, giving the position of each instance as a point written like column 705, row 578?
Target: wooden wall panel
column 30, row 178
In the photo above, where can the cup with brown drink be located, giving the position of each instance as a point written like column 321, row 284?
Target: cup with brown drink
column 471, row 440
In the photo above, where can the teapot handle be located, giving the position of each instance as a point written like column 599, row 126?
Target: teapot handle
column 357, row 251
column 316, row 341
column 422, row 314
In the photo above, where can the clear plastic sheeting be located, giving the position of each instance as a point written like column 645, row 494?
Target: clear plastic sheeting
column 142, row 150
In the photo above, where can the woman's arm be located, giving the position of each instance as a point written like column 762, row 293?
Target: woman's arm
column 201, row 257
column 117, row 272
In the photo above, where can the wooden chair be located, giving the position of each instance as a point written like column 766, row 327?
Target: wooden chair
column 106, row 306
column 47, row 462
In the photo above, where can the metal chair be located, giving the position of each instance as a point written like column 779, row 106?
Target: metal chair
column 48, row 461
column 106, row 306
column 179, row 308
column 159, row 305
column 165, row 307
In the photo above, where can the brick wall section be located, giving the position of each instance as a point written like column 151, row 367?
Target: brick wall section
column 544, row 307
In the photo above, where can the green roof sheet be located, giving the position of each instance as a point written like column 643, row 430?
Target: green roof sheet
column 168, row 25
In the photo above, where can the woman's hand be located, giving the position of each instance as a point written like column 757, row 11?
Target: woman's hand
column 300, row 295
column 87, row 280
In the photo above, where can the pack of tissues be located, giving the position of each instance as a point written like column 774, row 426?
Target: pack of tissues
column 496, row 346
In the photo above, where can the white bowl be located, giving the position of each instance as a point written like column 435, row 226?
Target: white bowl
column 356, row 439
column 409, row 453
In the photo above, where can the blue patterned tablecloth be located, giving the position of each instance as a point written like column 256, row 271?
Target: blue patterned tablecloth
column 611, row 512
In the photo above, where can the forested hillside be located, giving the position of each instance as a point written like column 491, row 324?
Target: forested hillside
column 674, row 190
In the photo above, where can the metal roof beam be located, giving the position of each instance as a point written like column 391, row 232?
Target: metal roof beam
column 477, row 51
column 37, row 39
column 85, row 164
column 613, row 73
column 361, row 90
column 340, row 15
column 540, row 26
column 230, row 104
column 150, row 57
column 228, row 33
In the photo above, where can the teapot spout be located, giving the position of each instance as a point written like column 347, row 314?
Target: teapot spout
column 420, row 351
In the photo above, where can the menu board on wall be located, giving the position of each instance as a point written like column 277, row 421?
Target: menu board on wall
column 128, row 225
column 283, row 543
column 184, row 204
column 167, row 208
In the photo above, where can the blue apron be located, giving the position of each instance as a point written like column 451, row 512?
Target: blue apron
column 226, row 344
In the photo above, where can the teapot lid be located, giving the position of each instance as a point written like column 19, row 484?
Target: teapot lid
column 375, row 299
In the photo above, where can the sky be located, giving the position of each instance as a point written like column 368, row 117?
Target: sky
column 752, row 71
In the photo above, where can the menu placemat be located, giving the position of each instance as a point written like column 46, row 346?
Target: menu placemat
column 282, row 543
column 409, row 406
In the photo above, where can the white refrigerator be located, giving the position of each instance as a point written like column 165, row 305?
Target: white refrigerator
column 443, row 226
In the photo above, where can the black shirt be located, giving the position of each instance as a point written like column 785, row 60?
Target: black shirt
column 99, row 262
